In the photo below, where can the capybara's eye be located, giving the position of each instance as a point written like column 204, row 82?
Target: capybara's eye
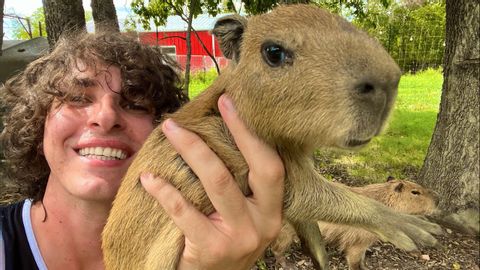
column 275, row 55
column 415, row 192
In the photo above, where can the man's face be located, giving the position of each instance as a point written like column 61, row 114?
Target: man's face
column 92, row 138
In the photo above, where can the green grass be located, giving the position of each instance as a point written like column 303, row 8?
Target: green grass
column 402, row 147
column 200, row 81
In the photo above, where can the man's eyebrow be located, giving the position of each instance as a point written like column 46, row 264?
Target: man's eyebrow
column 84, row 82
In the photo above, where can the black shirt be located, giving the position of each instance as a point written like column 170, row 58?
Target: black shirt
column 18, row 255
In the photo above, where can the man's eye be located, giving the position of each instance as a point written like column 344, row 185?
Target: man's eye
column 136, row 107
column 76, row 100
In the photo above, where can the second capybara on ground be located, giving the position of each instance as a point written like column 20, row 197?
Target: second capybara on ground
column 401, row 195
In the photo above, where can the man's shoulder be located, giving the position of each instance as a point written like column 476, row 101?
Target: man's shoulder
column 12, row 210
column 18, row 254
column 11, row 218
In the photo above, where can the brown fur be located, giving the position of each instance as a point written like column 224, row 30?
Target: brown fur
column 400, row 195
column 314, row 99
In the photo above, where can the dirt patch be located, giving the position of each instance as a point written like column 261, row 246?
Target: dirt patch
column 457, row 251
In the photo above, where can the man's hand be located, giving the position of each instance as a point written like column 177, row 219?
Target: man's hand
column 236, row 235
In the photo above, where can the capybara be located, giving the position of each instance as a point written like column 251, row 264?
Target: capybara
column 401, row 195
column 300, row 78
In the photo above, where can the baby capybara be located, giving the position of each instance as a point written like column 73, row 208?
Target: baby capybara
column 400, row 195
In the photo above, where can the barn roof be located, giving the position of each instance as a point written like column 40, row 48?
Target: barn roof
column 202, row 22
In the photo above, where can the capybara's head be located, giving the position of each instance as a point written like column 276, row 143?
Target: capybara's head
column 409, row 197
column 302, row 76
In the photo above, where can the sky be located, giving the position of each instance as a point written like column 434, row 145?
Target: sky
column 22, row 7
column 27, row 7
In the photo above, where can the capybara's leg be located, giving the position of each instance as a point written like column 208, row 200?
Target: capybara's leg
column 355, row 256
column 313, row 242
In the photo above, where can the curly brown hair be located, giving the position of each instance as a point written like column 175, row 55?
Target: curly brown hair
column 148, row 77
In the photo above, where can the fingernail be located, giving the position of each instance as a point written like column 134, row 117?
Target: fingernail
column 146, row 177
column 170, row 125
column 227, row 103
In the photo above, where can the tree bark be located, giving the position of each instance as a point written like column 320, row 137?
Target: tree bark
column 451, row 166
column 2, row 2
column 189, row 46
column 104, row 15
column 206, row 50
column 63, row 16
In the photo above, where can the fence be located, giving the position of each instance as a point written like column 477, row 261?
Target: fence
column 415, row 38
column 201, row 63
column 418, row 48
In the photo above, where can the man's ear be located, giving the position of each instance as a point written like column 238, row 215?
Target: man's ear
column 229, row 32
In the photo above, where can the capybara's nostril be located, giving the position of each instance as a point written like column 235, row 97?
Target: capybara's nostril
column 365, row 88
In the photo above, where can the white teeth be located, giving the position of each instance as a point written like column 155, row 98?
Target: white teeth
column 107, row 151
column 102, row 153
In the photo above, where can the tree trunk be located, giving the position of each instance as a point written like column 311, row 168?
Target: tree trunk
column 452, row 163
column 104, row 15
column 2, row 2
column 206, row 50
column 62, row 16
column 189, row 46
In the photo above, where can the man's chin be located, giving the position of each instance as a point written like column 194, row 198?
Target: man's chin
column 99, row 189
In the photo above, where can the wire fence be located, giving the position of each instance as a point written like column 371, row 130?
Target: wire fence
column 414, row 37
column 200, row 63
column 419, row 48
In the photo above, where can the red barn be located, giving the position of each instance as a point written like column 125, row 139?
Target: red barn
column 172, row 39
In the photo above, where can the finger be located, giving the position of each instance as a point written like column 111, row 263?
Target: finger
column 266, row 171
column 189, row 220
column 219, row 184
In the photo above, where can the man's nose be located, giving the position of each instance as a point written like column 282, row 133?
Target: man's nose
column 106, row 115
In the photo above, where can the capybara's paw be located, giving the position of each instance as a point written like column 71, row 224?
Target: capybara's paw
column 407, row 231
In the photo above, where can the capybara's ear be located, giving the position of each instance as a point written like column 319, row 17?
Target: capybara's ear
column 390, row 178
column 229, row 31
column 399, row 187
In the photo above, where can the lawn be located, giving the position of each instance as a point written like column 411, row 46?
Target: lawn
column 200, row 81
column 402, row 147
